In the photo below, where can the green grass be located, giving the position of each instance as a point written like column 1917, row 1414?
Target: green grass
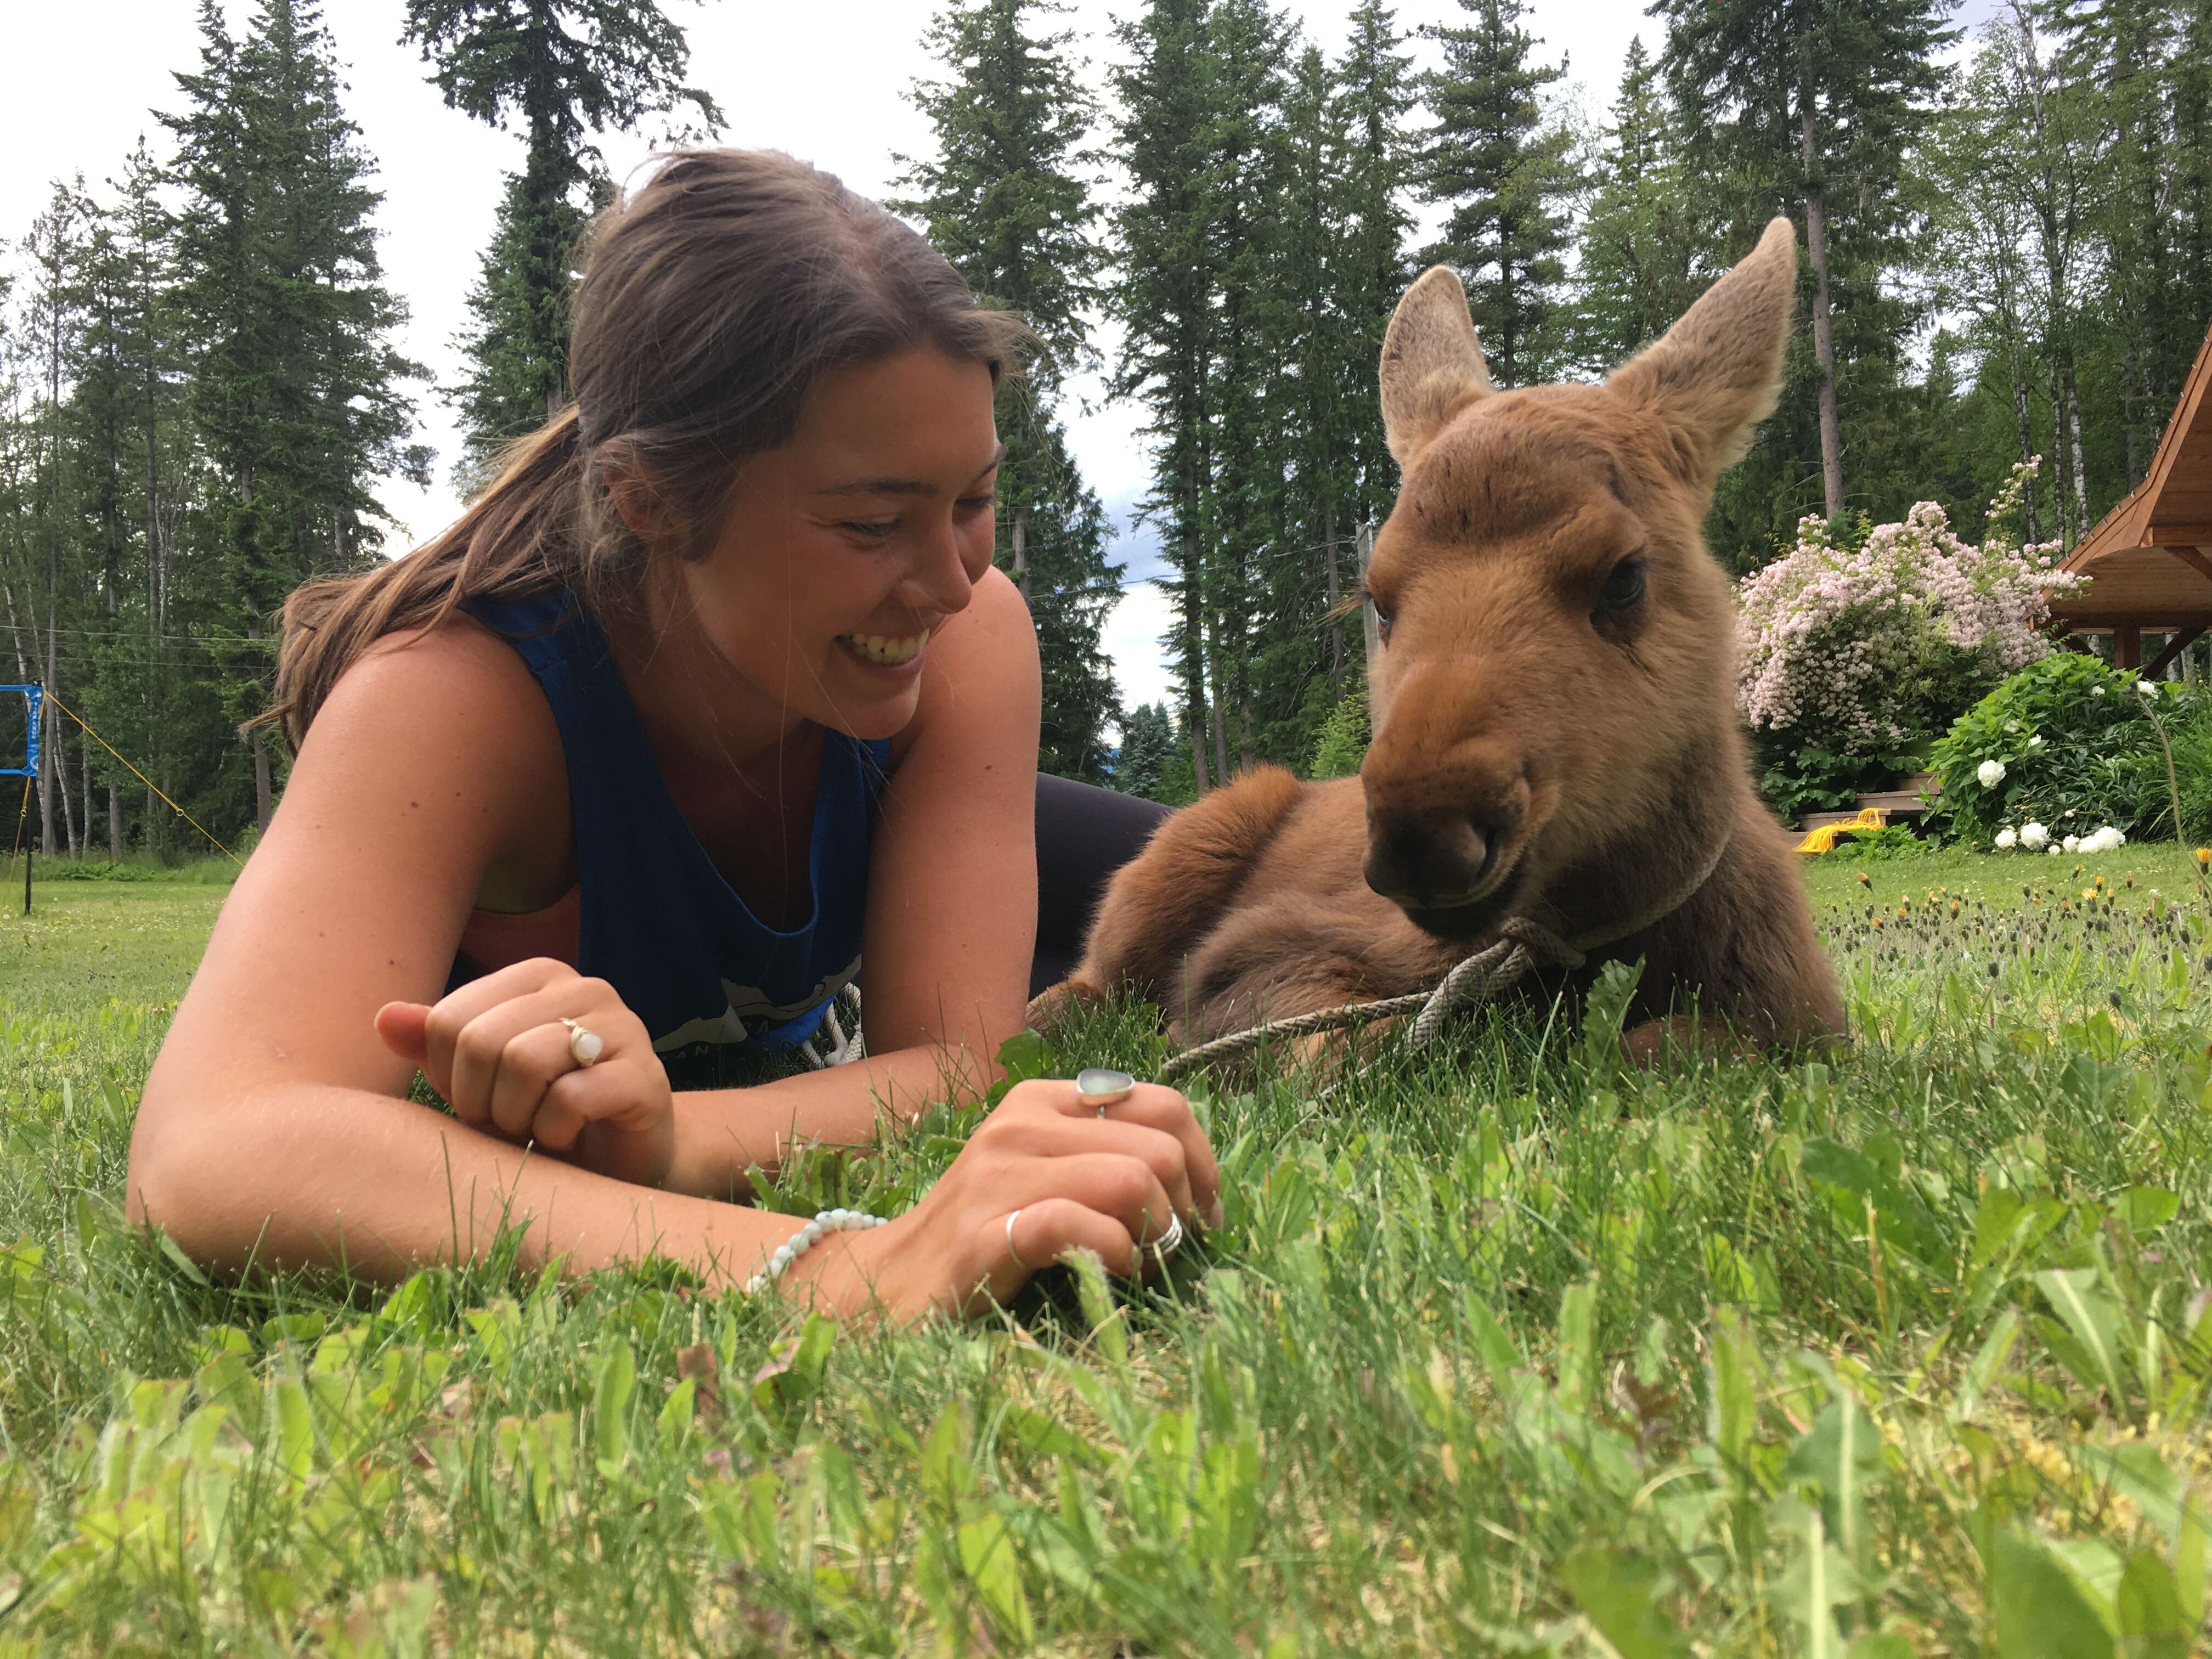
column 1501, row 1350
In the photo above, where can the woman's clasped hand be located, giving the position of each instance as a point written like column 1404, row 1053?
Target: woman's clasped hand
column 1045, row 1173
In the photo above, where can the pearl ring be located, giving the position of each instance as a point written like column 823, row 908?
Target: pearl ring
column 585, row 1045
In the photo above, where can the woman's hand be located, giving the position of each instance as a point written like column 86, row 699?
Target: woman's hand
column 498, row 1051
column 1071, row 1175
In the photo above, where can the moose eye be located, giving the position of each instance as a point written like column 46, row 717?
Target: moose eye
column 1623, row 587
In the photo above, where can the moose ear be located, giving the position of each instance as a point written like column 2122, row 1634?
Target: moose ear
column 1715, row 374
column 1432, row 364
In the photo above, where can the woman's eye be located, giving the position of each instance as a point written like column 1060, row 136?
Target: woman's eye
column 1623, row 587
column 976, row 503
column 876, row 532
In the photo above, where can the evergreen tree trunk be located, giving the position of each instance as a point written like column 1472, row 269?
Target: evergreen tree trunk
column 1021, row 533
column 2027, row 438
column 1336, row 597
column 1824, row 338
column 114, row 824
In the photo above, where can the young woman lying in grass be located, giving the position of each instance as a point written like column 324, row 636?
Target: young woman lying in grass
column 711, row 691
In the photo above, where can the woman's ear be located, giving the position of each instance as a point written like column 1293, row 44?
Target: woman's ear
column 637, row 502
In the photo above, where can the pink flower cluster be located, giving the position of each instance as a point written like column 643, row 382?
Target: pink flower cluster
column 1835, row 641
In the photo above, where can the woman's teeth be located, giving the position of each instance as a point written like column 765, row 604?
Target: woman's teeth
column 890, row 650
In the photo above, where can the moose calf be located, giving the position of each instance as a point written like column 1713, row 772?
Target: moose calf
column 1555, row 730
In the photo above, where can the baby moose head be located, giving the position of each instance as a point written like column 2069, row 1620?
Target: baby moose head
column 1558, row 658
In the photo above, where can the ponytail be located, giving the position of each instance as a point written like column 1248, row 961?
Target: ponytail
column 515, row 539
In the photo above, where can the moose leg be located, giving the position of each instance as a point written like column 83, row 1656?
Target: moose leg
column 1162, row 902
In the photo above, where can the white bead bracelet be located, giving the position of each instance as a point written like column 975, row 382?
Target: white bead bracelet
column 829, row 1221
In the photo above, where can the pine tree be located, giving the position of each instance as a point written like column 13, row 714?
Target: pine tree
column 1164, row 302
column 1507, row 177
column 298, row 394
column 1640, row 246
column 1147, row 744
column 563, row 70
column 1003, row 200
column 1816, row 102
column 1372, row 96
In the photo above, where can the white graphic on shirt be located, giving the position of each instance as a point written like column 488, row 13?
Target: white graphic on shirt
column 748, row 1004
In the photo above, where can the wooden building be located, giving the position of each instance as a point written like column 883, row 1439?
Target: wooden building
column 2149, row 561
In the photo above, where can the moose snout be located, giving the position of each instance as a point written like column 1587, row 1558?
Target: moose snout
column 1429, row 861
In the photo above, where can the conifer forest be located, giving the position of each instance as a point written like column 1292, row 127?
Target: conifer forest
column 2005, row 228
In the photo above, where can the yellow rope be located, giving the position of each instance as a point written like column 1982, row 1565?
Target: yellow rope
column 143, row 779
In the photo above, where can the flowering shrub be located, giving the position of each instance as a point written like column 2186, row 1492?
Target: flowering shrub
column 1854, row 656
column 2065, row 748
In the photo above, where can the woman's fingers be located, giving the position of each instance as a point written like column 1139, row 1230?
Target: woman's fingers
column 528, row 1069
column 1042, row 1232
column 1165, row 1111
column 1151, row 1122
column 480, row 1049
column 452, row 1014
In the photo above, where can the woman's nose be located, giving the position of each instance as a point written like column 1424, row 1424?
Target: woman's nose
column 947, row 567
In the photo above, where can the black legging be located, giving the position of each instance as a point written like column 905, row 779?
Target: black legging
column 1084, row 834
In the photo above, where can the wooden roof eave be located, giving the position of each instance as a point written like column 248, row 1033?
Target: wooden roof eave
column 2133, row 522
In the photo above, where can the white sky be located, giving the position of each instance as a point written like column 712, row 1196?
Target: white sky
column 824, row 79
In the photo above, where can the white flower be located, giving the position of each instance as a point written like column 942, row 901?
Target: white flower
column 2146, row 689
column 2054, row 852
column 2036, row 742
column 2072, row 844
column 1991, row 773
column 2034, row 837
column 2106, row 840
column 2006, row 840
column 2096, row 690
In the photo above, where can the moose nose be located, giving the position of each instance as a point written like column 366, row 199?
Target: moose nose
column 1431, row 863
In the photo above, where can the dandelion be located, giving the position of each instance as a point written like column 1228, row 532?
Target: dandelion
column 2203, row 857
column 1991, row 773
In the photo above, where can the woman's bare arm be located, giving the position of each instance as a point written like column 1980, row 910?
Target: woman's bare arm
column 272, row 1124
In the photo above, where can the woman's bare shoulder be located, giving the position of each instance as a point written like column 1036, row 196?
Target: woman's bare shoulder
column 455, row 708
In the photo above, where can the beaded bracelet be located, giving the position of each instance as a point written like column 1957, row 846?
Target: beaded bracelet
column 829, row 1221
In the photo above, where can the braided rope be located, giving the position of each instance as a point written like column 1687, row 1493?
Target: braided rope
column 1523, row 945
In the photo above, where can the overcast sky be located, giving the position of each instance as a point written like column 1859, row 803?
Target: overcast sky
column 825, row 80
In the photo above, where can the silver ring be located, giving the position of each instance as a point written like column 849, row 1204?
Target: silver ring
column 1011, row 1250
column 1170, row 1240
column 1100, row 1086
column 585, row 1045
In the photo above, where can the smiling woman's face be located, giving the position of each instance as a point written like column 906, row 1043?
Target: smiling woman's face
column 848, row 547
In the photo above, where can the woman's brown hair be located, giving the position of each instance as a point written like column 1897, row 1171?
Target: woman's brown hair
column 712, row 300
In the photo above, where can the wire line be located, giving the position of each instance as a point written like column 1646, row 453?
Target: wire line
column 142, row 778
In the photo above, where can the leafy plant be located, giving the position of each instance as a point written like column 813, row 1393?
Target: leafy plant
column 2078, row 751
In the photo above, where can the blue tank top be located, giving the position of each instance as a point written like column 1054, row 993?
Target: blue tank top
column 659, row 922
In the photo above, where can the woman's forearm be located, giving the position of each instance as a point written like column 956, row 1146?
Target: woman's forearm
column 339, row 1177
column 721, row 1133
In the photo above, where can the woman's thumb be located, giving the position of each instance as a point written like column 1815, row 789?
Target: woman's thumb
column 405, row 1028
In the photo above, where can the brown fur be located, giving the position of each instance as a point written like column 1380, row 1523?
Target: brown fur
column 1536, row 752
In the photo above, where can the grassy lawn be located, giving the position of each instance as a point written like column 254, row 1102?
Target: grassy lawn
column 1501, row 1350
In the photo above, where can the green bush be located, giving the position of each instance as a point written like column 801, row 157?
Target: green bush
column 2079, row 750
column 1341, row 743
column 1879, row 846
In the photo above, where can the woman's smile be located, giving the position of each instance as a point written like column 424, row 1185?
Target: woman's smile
column 894, row 650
